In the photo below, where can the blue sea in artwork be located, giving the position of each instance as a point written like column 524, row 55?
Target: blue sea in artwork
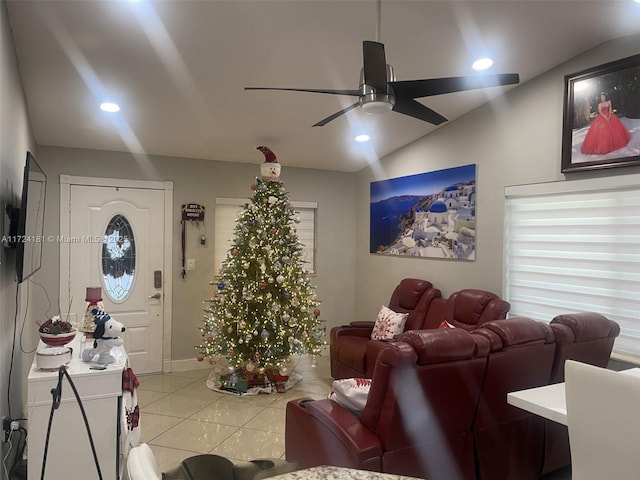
column 385, row 216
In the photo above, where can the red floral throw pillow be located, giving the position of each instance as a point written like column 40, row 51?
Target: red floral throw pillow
column 388, row 324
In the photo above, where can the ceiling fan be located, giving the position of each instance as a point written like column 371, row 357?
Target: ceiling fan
column 380, row 92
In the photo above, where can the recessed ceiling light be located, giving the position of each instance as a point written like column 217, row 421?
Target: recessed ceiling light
column 482, row 64
column 109, row 107
column 362, row 138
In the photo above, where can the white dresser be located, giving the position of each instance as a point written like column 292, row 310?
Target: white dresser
column 69, row 454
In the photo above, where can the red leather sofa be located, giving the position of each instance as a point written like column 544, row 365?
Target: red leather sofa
column 409, row 425
column 509, row 440
column 437, row 406
column 353, row 353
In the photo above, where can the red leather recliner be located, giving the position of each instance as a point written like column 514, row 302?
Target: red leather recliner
column 348, row 343
column 585, row 337
column 352, row 351
column 509, row 440
column 418, row 417
column 470, row 309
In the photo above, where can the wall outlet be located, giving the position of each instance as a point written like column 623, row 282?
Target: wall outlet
column 6, row 428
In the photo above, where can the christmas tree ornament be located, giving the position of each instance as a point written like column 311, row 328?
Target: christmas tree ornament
column 270, row 169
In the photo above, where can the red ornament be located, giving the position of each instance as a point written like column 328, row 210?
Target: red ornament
column 254, row 187
column 200, row 358
column 316, row 312
column 209, row 339
column 262, row 284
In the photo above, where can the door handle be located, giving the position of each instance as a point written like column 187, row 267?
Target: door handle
column 155, row 296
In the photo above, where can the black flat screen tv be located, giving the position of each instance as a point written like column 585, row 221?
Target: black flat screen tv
column 26, row 233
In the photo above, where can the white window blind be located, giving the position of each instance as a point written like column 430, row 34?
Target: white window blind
column 574, row 246
column 227, row 211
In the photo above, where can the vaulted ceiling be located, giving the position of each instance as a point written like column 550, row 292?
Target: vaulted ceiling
column 178, row 68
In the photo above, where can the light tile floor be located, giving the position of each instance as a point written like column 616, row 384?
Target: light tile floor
column 181, row 417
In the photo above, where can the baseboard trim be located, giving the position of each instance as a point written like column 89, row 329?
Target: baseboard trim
column 184, row 365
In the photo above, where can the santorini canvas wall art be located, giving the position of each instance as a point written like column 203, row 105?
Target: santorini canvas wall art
column 430, row 214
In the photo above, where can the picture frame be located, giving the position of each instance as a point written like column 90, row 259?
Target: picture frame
column 593, row 132
column 426, row 215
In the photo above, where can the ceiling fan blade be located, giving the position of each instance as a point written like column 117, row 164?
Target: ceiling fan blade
column 415, row 109
column 438, row 86
column 375, row 65
column 324, row 121
column 354, row 93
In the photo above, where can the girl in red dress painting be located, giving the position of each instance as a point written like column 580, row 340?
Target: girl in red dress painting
column 606, row 133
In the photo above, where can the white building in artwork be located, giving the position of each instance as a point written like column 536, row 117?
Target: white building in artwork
column 451, row 192
column 464, row 213
column 438, row 213
column 422, row 228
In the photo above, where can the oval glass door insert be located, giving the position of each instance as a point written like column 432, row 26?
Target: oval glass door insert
column 118, row 258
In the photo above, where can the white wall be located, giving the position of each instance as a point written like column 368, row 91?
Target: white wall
column 201, row 181
column 15, row 140
column 515, row 139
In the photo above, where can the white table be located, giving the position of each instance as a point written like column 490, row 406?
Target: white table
column 549, row 401
column 69, row 455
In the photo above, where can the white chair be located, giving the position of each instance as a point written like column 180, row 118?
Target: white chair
column 141, row 464
column 603, row 414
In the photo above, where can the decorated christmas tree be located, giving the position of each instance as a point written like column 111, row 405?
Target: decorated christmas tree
column 264, row 308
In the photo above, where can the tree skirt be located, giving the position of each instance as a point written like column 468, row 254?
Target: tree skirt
column 293, row 379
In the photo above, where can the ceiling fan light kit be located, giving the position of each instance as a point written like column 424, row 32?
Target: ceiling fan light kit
column 377, row 102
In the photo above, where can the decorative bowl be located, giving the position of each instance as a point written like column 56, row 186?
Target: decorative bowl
column 51, row 358
column 57, row 339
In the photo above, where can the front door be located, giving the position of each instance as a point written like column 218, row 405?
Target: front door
column 116, row 241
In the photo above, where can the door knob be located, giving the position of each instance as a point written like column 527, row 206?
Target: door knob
column 156, row 295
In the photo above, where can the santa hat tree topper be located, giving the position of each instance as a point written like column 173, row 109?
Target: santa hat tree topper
column 270, row 169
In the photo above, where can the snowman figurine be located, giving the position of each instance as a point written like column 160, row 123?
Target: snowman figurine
column 270, row 169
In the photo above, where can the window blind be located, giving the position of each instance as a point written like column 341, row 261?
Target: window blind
column 227, row 211
column 575, row 246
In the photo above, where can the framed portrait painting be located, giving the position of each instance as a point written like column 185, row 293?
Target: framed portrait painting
column 601, row 125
